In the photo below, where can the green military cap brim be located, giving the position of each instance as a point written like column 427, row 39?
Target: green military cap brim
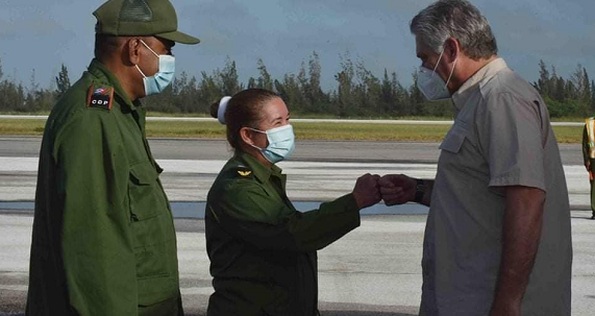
column 179, row 37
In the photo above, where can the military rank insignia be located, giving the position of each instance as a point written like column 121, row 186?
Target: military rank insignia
column 100, row 97
column 244, row 172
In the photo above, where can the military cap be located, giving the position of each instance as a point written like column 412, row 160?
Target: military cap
column 140, row 18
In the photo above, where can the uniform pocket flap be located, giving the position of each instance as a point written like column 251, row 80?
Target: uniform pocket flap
column 143, row 173
column 144, row 191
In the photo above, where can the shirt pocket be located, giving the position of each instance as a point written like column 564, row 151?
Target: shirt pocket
column 455, row 138
column 151, row 225
column 144, row 192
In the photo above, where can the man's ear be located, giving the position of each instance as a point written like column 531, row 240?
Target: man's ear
column 452, row 48
column 134, row 46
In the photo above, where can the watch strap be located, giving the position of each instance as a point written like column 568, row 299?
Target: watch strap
column 420, row 190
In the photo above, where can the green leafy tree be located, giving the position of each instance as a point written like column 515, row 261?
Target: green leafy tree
column 162, row 102
column 544, row 84
column 62, row 82
column 13, row 95
column 368, row 92
column 264, row 81
column 186, row 94
column 358, row 91
column 560, row 90
column 391, row 96
column 230, row 84
column 304, row 87
column 344, row 103
column 416, row 98
column 317, row 100
column 252, row 83
column 289, row 90
column 209, row 91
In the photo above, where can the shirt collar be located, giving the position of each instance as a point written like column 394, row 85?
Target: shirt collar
column 488, row 71
column 261, row 172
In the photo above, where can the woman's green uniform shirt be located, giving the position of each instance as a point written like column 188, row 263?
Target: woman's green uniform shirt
column 103, row 233
column 262, row 250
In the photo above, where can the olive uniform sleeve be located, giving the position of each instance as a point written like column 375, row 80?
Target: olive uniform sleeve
column 247, row 212
column 92, row 180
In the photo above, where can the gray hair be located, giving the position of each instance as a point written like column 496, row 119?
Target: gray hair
column 459, row 19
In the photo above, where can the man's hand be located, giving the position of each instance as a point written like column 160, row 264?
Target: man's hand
column 397, row 189
column 366, row 192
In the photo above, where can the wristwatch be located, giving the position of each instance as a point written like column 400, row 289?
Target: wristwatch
column 420, row 190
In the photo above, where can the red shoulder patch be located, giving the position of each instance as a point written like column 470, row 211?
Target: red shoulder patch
column 100, row 97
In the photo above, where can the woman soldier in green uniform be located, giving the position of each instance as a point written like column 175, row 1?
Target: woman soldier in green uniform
column 262, row 250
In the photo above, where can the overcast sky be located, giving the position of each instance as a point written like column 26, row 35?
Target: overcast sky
column 37, row 36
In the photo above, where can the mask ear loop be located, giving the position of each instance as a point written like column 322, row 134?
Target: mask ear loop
column 149, row 48
column 438, row 62
column 257, row 130
column 260, row 150
column 451, row 72
column 141, row 72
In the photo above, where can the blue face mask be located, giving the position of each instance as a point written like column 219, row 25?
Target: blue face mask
column 165, row 75
column 281, row 143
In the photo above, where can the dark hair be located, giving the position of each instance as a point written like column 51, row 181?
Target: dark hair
column 244, row 109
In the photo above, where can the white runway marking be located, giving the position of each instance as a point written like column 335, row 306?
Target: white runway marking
column 190, row 180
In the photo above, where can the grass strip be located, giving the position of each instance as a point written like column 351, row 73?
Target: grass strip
column 304, row 130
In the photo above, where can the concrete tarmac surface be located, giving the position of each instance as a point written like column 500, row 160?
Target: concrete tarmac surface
column 373, row 270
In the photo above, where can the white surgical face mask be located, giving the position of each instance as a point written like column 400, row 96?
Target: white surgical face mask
column 159, row 81
column 281, row 143
column 430, row 83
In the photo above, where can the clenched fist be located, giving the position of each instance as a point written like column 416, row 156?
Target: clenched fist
column 366, row 191
column 397, row 189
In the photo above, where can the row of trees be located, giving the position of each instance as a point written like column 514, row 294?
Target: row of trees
column 358, row 92
column 572, row 97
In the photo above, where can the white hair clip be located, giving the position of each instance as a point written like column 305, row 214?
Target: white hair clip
column 222, row 107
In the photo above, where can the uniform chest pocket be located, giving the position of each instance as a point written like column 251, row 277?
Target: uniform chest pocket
column 455, row 138
column 144, row 192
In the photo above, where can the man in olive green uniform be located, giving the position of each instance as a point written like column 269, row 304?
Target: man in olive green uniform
column 103, row 234
column 589, row 156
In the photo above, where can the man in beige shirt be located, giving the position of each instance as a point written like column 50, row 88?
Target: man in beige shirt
column 497, row 237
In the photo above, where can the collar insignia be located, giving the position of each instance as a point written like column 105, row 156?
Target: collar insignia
column 244, row 173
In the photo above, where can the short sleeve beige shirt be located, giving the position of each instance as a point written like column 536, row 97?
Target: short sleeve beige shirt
column 501, row 136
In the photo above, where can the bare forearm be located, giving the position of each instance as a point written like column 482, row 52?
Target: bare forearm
column 521, row 233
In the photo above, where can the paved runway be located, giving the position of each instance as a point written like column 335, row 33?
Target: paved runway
column 317, row 171
column 373, row 270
